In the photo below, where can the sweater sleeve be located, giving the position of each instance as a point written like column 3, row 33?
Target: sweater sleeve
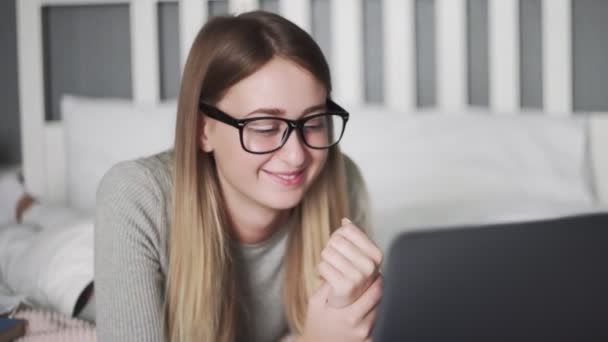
column 129, row 284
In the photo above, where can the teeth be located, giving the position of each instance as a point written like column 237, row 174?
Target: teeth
column 290, row 177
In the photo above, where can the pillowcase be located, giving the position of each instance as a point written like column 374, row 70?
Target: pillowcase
column 598, row 138
column 101, row 132
column 440, row 159
column 390, row 222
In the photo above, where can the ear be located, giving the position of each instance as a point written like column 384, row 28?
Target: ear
column 203, row 133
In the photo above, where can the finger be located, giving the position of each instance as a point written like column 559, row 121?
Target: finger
column 351, row 232
column 368, row 300
column 339, row 284
column 354, row 254
column 370, row 319
column 341, row 263
column 377, row 281
column 330, row 273
column 365, row 327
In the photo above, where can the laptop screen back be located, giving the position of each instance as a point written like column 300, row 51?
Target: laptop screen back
column 526, row 281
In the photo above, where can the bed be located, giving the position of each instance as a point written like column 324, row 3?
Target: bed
column 425, row 167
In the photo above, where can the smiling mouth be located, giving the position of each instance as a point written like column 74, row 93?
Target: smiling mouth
column 287, row 178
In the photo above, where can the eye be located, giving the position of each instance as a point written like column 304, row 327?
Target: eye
column 316, row 123
column 265, row 127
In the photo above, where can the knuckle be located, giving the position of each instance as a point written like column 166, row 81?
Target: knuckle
column 332, row 239
column 380, row 256
column 369, row 267
column 376, row 293
column 350, row 288
column 346, row 288
column 322, row 267
column 380, row 281
column 338, row 243
column 339, row 238
column 340, row 231
column 358, row 278
column 322, row 264
column 325, row 253
column 351, row 229
column 351, row 320
column 362, row 331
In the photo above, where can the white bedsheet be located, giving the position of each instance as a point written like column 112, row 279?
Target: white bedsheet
column 8, row 300
column 48, row 259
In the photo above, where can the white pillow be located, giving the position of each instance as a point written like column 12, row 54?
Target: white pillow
column 102, row 132
column 436, row 160
column 390, row 223
column 598, row 132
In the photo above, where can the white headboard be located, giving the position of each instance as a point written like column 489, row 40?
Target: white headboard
column 42, row 142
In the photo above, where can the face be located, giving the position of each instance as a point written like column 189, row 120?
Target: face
column 276, row 180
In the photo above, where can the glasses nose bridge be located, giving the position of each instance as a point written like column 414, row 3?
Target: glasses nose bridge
column 292, row 126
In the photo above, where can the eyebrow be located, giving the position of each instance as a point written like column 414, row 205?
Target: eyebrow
column 281, row 112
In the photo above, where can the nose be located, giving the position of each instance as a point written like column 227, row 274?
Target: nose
column 293, row 151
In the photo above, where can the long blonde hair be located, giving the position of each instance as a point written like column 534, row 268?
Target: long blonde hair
column 202, row 301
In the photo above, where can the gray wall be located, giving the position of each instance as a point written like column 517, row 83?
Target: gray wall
column 425, row 52
column 168, row 45
column 10, row 145
column 86, row 52
column 531, row 54
column 590, row 47
column 373, row 52
column 477, row 63
column 95, row 59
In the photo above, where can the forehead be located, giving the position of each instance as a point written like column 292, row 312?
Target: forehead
column 280, row 83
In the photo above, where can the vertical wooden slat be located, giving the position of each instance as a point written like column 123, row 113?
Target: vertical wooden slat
column 240, row 6
column 297, row 11
column 56, row 162
column 192, row 15
column 80, row 2
column 399, row 53
column 347, row 50
column 31, row 99
column 503, row 23
column 144, row 51
column 451, row 52
column 557, row 56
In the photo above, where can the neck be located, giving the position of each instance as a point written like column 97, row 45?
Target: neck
column 249, row 222
column 251, row 225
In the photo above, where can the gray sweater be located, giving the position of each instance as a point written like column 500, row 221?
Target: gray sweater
column 132, row 225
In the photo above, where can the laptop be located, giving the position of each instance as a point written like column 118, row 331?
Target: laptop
column 542, row 280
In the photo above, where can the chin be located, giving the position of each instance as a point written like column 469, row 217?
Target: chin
column 283, row 201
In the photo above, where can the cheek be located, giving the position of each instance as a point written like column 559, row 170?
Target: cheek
column 234, row 162
column 318, row 159
column 317, row 164
column 226, row 143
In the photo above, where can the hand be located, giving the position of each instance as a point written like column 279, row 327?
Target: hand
column 23, row 204
column 349, row 264
column 347, row 324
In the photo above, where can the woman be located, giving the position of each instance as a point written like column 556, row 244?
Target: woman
column 238, row 232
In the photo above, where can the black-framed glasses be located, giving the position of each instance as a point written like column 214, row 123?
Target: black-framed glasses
column 260, row 135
